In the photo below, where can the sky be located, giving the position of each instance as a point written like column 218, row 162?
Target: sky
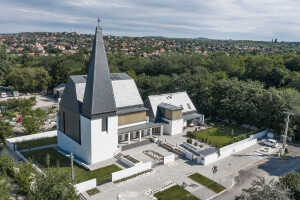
column 214, row 19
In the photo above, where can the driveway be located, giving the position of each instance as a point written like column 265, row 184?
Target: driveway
column 269, row 168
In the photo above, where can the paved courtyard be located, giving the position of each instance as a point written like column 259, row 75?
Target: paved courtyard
column 177, row 172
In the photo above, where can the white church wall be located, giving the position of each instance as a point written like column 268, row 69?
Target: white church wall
column 103, row 144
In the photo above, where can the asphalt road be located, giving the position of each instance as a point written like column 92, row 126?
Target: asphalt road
column 269, row 168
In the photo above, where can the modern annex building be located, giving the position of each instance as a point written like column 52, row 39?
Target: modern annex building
column 100, row 110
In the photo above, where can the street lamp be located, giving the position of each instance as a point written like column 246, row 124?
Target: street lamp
column 287, row 120
column 72, row 168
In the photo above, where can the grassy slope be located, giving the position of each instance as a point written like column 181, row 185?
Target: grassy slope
column 175, row 193
column 221, row 135
column 80, row 173
column 207, row 182
column 36, row 143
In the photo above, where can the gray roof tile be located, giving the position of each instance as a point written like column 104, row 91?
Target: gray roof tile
column 98, row 97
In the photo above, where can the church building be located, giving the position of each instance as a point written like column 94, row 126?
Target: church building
column 100, row 110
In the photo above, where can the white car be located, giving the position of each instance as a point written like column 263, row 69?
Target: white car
column 270, row 142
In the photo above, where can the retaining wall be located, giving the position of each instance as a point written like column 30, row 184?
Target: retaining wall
column 84, row 186
column 169, row 159
column 131, row 171
column 128, row 162
column 11, row 141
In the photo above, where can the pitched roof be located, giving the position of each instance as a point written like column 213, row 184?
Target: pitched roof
column 98, row 97
column 179, row 99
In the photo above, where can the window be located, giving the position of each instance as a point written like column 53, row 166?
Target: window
column 79, row 132
column 104, row 124
column 64, row 122
column 189, row 106
column 181, row 107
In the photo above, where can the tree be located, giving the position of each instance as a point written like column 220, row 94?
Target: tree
column 262, row 190
column 5, row 65
column 5, row 188
column 30, row 79
column 30, row 124
column 292, row 181
column 5, row 129
column 33, row 119
column 24, row 177
column 6, row 164
column 54, row 186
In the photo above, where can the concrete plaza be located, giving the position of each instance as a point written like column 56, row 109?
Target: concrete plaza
column 177, row 172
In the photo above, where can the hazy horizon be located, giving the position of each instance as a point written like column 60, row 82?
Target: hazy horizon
column 217, row 19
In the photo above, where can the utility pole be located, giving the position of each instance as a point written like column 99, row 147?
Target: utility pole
column 287, row 120
column 72, row 168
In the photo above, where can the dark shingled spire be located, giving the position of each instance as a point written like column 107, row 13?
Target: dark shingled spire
column 98, row 98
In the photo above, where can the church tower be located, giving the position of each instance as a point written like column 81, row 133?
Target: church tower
column 99, row 120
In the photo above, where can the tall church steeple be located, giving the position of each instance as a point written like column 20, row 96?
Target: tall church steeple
column 98, row 98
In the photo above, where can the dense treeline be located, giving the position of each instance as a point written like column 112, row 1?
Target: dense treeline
column 245, row 89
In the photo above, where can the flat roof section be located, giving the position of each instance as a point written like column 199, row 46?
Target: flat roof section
column 191, row 116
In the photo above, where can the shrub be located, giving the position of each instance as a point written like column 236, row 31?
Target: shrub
column 286, row 151
column 200, row 145
column 6, row 164
column 33, row 99
column 190, row 134
column 196, row 144
column 189, row 141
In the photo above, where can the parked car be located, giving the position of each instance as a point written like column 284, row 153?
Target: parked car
column 270, row 142
column 3, row 94
column 191, row 124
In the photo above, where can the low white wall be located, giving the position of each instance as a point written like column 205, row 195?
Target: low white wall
column 210, row 158
column 188, row 155
column 10, row 142
column 128, row 162
column 191, row 147
column 236, row 147
column 84, row 186
column 231, row 149
column 131, row 171
column 26, row 161
column 169, row 159
column 259, row 135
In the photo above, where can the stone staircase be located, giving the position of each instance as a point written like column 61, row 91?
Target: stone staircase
column 119, row 155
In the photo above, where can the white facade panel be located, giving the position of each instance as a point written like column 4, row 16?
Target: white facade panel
column 173, row 127
column 103, row 144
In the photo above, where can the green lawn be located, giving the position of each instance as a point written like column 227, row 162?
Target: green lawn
column 80, row 173
column 220, row 136
column 175, row 193
column 210, row 184
column 36, row 143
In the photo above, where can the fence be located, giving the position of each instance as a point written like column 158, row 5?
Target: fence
column 11, row 141
column 130, row 171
